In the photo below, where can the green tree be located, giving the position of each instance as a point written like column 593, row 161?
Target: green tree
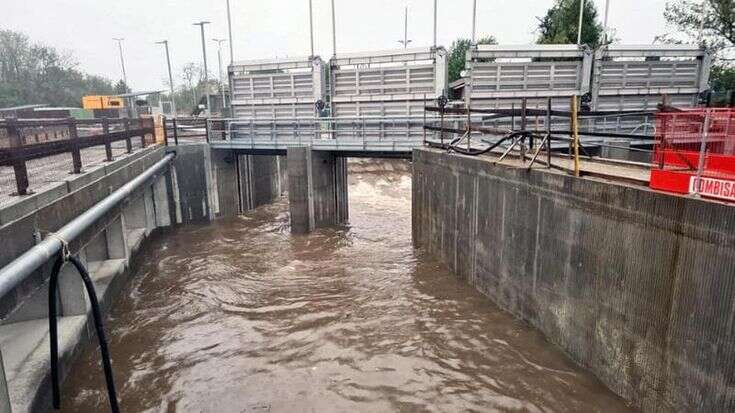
column 561, row 23
column 710, row 23
column 457, row 55
column 32, row 73
column 121, row 87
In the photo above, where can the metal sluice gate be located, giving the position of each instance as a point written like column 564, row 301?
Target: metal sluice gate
column 376, row 101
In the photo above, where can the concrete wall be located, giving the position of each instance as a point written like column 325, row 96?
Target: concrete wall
column 195, row 186
column 106, row 248
column 243, row 182
column 317, row 190
column 635, row 285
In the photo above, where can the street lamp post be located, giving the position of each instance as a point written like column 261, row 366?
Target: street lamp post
column 221, row 80
column 206, row 73
column 229, row 30
column 311, row 28
column 405, row 40
column 119, row 41
column 170, row 76
column 474, row 21
column 435, row 22
column 334, row 32
column 607, row 12
column 581, row 17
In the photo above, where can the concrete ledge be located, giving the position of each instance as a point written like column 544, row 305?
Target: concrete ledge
column 134, row 239
column 26, row 358
column 109, row 278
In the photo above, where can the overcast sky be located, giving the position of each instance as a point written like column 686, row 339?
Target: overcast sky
column 278, row 28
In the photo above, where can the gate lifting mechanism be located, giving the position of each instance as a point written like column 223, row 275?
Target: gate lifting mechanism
column 64, row 256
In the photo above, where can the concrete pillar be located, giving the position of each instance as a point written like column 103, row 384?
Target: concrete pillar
column 282, row 175
column 161, row 201
column 150, row 210
column 135, row 214
column 340, row 174
column 96, row 249
column 245, row 179
column 115, row 237
column 225, row 183
column 317, row 189
column 72, row 294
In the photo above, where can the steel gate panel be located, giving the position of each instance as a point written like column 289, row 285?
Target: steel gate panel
column 637, row 77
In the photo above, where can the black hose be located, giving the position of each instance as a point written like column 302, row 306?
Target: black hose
column 99, row 328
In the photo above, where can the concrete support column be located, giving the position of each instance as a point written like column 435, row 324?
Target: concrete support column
column 135, row 214
column 115, row 237
column 282, row 175
column 150, row 210
column 72, row 294
column 161, row 201
column 245, row 181
column 225, row 182
column 317, row 189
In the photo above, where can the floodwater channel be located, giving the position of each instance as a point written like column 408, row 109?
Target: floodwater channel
column 242, row 316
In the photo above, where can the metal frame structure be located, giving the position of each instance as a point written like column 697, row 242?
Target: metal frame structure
column 394, row 85
column 377, row 99
column 275, row 88
column 499, row 76
column 628, row 77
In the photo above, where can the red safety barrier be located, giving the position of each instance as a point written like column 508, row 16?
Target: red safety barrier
column 695, row 153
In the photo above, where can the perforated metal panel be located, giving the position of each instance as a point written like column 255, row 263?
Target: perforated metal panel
column 489, row 78
column 266, row 111
column 637, row 77
column 384, row 81
column 389, row 83
column 503, row 74
column 276, row 85
column 278, row 88
column 648, row 74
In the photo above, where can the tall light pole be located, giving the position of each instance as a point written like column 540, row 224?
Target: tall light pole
column 170, row 76
column 581, row 17
column 221, row 80
column 474, row 21
column 229, row 29
column 206, row 73
column 334, row 32
column 435, row 22
column 405, row 40
column 607, row 13
column 119, row 41
column 311, row 28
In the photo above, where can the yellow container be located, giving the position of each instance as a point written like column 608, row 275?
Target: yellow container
column 102, row 102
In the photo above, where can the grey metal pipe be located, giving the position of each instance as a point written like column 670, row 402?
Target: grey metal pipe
column 19, row 269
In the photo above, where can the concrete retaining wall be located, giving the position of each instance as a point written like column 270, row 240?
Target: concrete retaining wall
column 107, row 248
column 244, row 182
column 637, row 286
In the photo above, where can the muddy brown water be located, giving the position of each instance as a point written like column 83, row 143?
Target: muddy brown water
column 241, row 316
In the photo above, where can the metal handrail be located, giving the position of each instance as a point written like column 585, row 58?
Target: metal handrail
column 22, row 267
